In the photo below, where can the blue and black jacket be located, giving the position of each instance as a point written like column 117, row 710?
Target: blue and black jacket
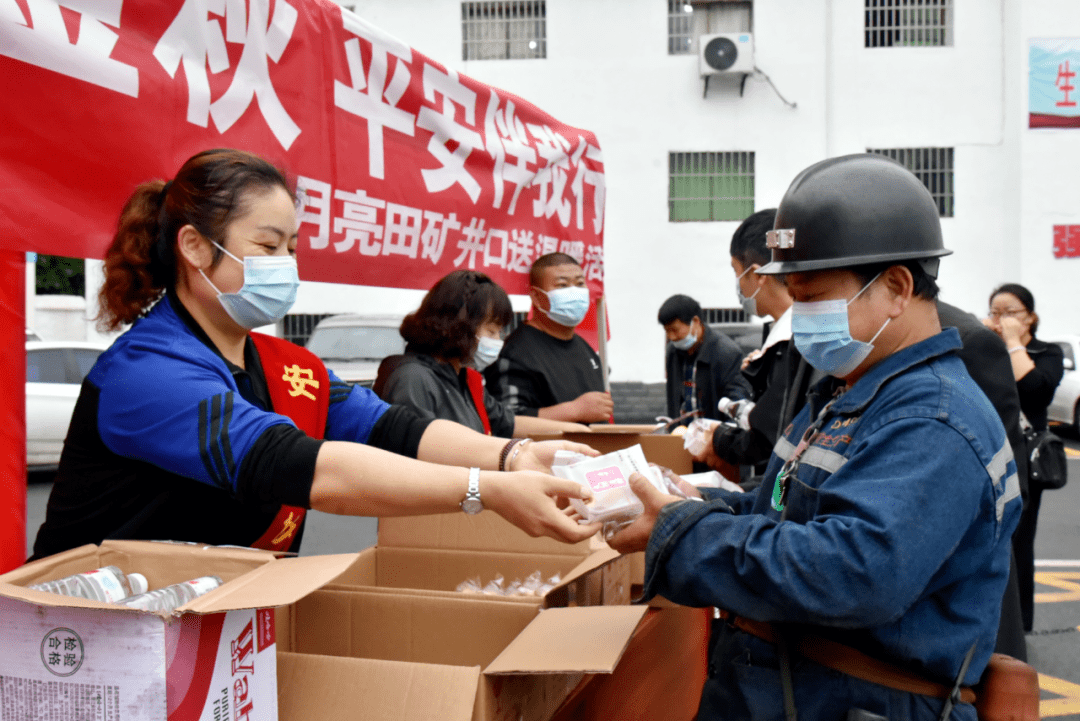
column 171, row 441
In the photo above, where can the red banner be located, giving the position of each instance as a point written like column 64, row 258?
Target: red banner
column 406, row 170
column 12, row 412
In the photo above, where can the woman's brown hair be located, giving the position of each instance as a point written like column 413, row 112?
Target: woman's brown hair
column 208, row 193
column 453, row 310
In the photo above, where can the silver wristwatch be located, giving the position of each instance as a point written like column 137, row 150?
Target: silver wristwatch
column 472, row 504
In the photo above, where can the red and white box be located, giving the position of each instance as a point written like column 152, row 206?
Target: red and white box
column 213, row 659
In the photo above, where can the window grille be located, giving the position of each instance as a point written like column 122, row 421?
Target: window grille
column 297, row 327
column 680, row 25
column 933, row 166
column 710, row 186
column 689, row 19
column 909, row 23
column 724, row 315
column 503, row 30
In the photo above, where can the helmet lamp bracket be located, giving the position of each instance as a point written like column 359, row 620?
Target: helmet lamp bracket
column 782, row 238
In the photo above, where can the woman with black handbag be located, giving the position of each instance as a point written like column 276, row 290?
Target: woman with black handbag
column 1037, row 367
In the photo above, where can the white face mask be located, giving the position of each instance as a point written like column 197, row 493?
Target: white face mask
column 269, row 290
column 487, row 352
column 687, row 342
column 749, row 305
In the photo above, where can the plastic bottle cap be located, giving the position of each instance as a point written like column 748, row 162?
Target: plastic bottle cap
column 138, row 583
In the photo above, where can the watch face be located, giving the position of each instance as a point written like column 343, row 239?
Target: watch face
column 472, row 506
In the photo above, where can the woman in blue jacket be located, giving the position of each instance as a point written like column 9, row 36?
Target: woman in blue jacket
column 190, row 427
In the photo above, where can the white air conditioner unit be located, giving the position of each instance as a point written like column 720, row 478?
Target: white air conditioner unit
column 726, row 53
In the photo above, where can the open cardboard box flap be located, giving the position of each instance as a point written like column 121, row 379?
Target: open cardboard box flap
column 591, row 639
column 253, row 578
column 337, row 689
column 280, row 583
column 458, row 531
column 634, row 428
column 597, row 559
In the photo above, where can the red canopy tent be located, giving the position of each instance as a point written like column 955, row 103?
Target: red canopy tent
column 405, row 169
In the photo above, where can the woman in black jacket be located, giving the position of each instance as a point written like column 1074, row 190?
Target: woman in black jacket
column 455, row 333
column 1037, row 368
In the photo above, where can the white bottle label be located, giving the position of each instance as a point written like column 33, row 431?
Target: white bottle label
column 203, row 585
column 109, row 584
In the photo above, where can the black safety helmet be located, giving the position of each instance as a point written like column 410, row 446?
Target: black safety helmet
column 855, row 210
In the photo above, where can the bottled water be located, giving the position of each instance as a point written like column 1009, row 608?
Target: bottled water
column 108, row 584
column 172, row 597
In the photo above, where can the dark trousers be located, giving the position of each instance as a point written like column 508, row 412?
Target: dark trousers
column 1024, row 550
column 1010, row 638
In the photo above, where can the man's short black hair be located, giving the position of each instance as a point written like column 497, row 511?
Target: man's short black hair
column 547, row 261
column 748, row 242
column 679, row 307
column 925, row 286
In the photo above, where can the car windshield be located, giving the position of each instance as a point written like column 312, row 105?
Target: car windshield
column 358, row 342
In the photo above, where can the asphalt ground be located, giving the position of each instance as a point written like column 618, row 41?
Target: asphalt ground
column 1053, row 645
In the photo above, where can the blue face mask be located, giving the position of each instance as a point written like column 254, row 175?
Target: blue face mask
column 487, row 351
column 686, row 342
column 568, row 305
column 822, row 335
column 269, row 290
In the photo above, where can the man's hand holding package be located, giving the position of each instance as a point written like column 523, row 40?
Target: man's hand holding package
column 707, row 455
column 635, row 537
column 750, row 358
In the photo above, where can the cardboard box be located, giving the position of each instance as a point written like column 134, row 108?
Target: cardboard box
column 378, row 655
column 69, row 658
column 434, row 554
column 661, row 449
column 660, row 676
column 391, row 636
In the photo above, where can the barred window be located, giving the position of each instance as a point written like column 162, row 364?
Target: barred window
column 724, row 315
column 503, row 30
column 297, row 327
column 710, row 186
column 690, row 19
column 933, row 166
column 909, row 23
column 680, row 23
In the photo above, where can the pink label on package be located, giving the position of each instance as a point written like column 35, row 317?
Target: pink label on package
column 605, row 479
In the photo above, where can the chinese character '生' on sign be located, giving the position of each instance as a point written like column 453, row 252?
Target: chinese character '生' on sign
column 1067, row 241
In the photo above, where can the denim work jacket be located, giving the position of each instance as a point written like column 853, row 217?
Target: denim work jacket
column 896, row 540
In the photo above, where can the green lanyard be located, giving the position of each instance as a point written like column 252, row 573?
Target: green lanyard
column 791, row 465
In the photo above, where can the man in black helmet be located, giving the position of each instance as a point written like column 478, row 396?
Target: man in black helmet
column 868, row 570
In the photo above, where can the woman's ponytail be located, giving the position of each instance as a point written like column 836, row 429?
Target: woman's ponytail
column 208, row 193
column 133, row 272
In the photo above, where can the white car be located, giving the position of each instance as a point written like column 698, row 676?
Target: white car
column 1065, row 408
column 352, row 345
column 54, row 374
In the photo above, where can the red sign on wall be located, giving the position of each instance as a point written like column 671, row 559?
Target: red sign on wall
column 406, row 170
column 1067, row 241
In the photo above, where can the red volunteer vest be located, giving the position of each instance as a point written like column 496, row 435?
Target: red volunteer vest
column 475, row 381
column 300, row 389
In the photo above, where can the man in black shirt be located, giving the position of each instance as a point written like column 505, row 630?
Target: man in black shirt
column 702, row 365
column 545, row 369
